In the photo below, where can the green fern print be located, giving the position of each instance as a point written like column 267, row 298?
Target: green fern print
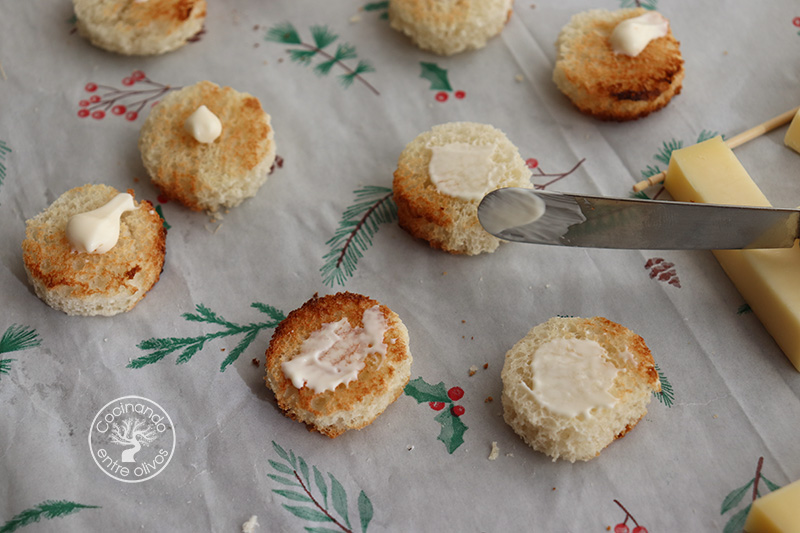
column 48, row 510
column 373, row 206
column 188, row 346
column 294, row 473
column 4, row 149
column 736, row 522
column 652, row 5
column 286, row 33
column 16, row 338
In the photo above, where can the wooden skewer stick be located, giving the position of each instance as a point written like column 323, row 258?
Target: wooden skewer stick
column 733, row 142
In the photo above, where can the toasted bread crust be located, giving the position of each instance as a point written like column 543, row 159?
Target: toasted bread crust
column 208, row 176
column 584, row 437
column 350, row 406
column 611, row 86
column 448, row 223
column 139, row 28
column 447, row 27
column 93, row 284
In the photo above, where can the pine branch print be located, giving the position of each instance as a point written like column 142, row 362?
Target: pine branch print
column 4, row 149
column 48, row 510
column 667, row 395
column 322, row 37
column 651, row 5
column 383, row 7
column 189, row 346
column 665, row 153
column 318, row 511
column 373, row 206
column 16, row 338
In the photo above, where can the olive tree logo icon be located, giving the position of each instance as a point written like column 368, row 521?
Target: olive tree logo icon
column 132, row 439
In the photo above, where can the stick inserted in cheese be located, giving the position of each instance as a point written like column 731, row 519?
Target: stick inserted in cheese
column 777, row 512
column 792, row 137
column 769, row 280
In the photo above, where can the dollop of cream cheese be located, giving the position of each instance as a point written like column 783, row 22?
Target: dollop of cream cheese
column 337, row 352
column 97, row 231
column 203, row 125
column 571, row 377
column 632, row 35
column 462, row 170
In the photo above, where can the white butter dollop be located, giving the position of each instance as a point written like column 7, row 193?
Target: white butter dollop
column 97, row 231
column 203, row 125
column 571, row 377
column 337, row 352
column 462, row 170
column 632, row 35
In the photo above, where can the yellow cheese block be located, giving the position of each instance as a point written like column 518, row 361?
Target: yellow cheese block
column 792, row 138
column 776, row 512
column 769, row 280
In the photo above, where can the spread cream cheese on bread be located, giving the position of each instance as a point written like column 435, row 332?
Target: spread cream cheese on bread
column 462, row 170
column 336, row 353
column 203, row 125
column 97, row 231
column 632, row 35
column 572, row 377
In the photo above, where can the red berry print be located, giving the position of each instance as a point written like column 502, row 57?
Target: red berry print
column 622, row 527
column 457, row 410
column 455, row 393
column 83, row 113
column 796, row 21
column 460, row 94
column 532, row 163
column 663, row 271
column 436, row 406
column 163, row 199
column 123, row 102
column 441, row 96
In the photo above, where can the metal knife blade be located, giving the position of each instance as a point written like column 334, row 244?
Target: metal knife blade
column 527, row 215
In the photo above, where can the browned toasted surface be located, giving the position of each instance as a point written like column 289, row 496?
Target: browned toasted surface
column 205, row 176
column 76, row 282
column 125, row 15
column 612, row 86
column 378, row 384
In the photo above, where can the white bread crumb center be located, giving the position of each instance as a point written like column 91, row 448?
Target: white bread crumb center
column 571, row 377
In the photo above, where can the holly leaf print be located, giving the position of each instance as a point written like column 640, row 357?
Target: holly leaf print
column 423, row 392
column 453, row 429
column 436, row 75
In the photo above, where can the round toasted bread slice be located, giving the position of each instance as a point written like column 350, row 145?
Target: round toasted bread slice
column 139, row 27
column 612, row 86
column 210, row 176
column 93, row 284
column 446, row 27
column 572, row 386
column 345, row 321
column 449, row 222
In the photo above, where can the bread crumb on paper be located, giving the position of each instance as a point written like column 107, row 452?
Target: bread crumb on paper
column 495, row 451
column 251, row 525
column 473, row 370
